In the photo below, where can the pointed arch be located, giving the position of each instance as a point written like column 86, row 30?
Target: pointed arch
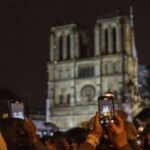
column 61, row 47
column 68, row 46
column 106, row 40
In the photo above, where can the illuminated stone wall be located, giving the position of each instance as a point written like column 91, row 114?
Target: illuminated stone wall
column 74, row 83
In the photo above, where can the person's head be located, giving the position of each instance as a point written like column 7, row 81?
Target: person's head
column 59, row 141
column 76, row 136
column 47, row 141
column 15, row 134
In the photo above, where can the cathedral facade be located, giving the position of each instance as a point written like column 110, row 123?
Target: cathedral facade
column 75, row 81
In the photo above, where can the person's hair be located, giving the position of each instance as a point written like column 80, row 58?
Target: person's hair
column 77, row 135
column 45, row 139
column 58, row 139
column 15, row 134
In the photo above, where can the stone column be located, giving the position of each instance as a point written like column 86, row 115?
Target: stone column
column 76, row 44
column 97, row 40
column 52, row 47
column 118, row 37
column 48, row 111
column 72, row 50
column 72, row 91
column 57, row 48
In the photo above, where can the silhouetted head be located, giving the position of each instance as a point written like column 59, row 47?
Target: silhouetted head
column 15, row 134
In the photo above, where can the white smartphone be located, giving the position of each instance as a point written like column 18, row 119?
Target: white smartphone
column 17, row 110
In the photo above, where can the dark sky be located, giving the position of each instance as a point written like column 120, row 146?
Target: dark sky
column 24, row 37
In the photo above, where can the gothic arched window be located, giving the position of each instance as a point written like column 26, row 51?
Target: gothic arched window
column 61, row 99
column 68, row 98
column 60, row 74
column 60, row 47
column 68, row 46
column 106, row 41
column 114, row 40
column 114, row 68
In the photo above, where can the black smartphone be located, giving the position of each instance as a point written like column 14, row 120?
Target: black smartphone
column 106, row 110
column 17, row 110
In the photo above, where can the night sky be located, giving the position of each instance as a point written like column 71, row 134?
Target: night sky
column 24, row 37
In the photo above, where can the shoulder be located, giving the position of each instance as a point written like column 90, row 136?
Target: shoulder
column 86, row 146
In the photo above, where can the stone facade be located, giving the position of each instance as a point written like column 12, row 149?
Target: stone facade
column 75, row 83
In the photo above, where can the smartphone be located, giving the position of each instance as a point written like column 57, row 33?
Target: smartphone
column 106, row 110
column 17, row 110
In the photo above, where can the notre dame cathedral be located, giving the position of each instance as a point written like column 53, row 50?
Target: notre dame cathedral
column 76, row 80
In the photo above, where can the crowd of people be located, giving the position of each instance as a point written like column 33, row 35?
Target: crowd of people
column 19, row 134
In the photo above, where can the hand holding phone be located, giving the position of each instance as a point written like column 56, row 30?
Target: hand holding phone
column 106, row 110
